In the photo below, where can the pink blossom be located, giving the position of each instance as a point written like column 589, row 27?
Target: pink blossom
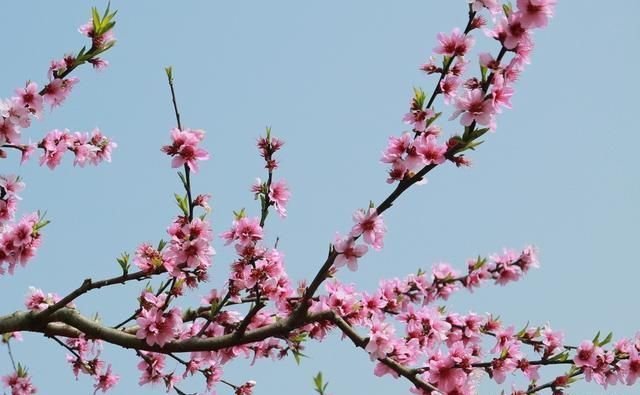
column 246, row 388
column 587, row 354
column 500, row 367
column 529, row 370
column 511, row 32
column 8, row 207
column 54, row 145
column 380, row 340
column 99, row 63
column 38, row 301
column 157, row 327
column 448, row 86
column 9, row 132
column 11, row 185
column 492, row 5
column 106, row 380
column 29, row 97
column 418, row 117
column 370, row 225
column 474, row 107
column 505, row 338
column 500, row 93
column 631, row 367
column 244, row 230
column 348, row 252
column 192, row 253
column 279, row 195
column 553, row 340
column 103, row 147
column 19, row 383
column 184, row 148
column 396, row 148
column 443, row 275
column 445, row 375
column 456, row 44
column 427, row 147
column 151, row 367
column 147, row 258
column 535, row 13
column 426, row 325
column 18, row 114
column 56, row 91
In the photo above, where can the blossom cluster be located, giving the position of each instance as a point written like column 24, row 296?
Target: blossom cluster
column 368, row 225
column 19, row 242
column 188, row 255
column 85, row 358
column 448, row 349
column 156, row 325
column 271, row 193
column 17, row 112
column 19, row 383
column 476, row 99
column 88, row 148
column 444, row 352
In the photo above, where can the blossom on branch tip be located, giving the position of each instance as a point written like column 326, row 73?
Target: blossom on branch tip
column 184, row 148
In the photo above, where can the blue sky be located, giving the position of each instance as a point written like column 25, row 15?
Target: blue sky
column 333, row 79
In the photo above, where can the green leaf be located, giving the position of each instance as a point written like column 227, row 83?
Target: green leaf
column 433, row 119
column 161, row 245
column 419, row 96
column 560, row 357
column 480, row 262
column 239, row 214
column 507, row 8
column 22, row 370
column 169, row 71
column 183, row 179
column 596, row 339
column 213, row 308
column 606, row 339
column 320, row 385
column 95, row 19
column 480, row 132
column 123, row 261
column 182, row 203
column 523, row 330
column 297, row 355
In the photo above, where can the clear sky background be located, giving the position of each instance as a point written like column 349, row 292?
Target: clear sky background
column 333, row 79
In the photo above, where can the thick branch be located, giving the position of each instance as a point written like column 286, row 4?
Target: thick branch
column 77, row 324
